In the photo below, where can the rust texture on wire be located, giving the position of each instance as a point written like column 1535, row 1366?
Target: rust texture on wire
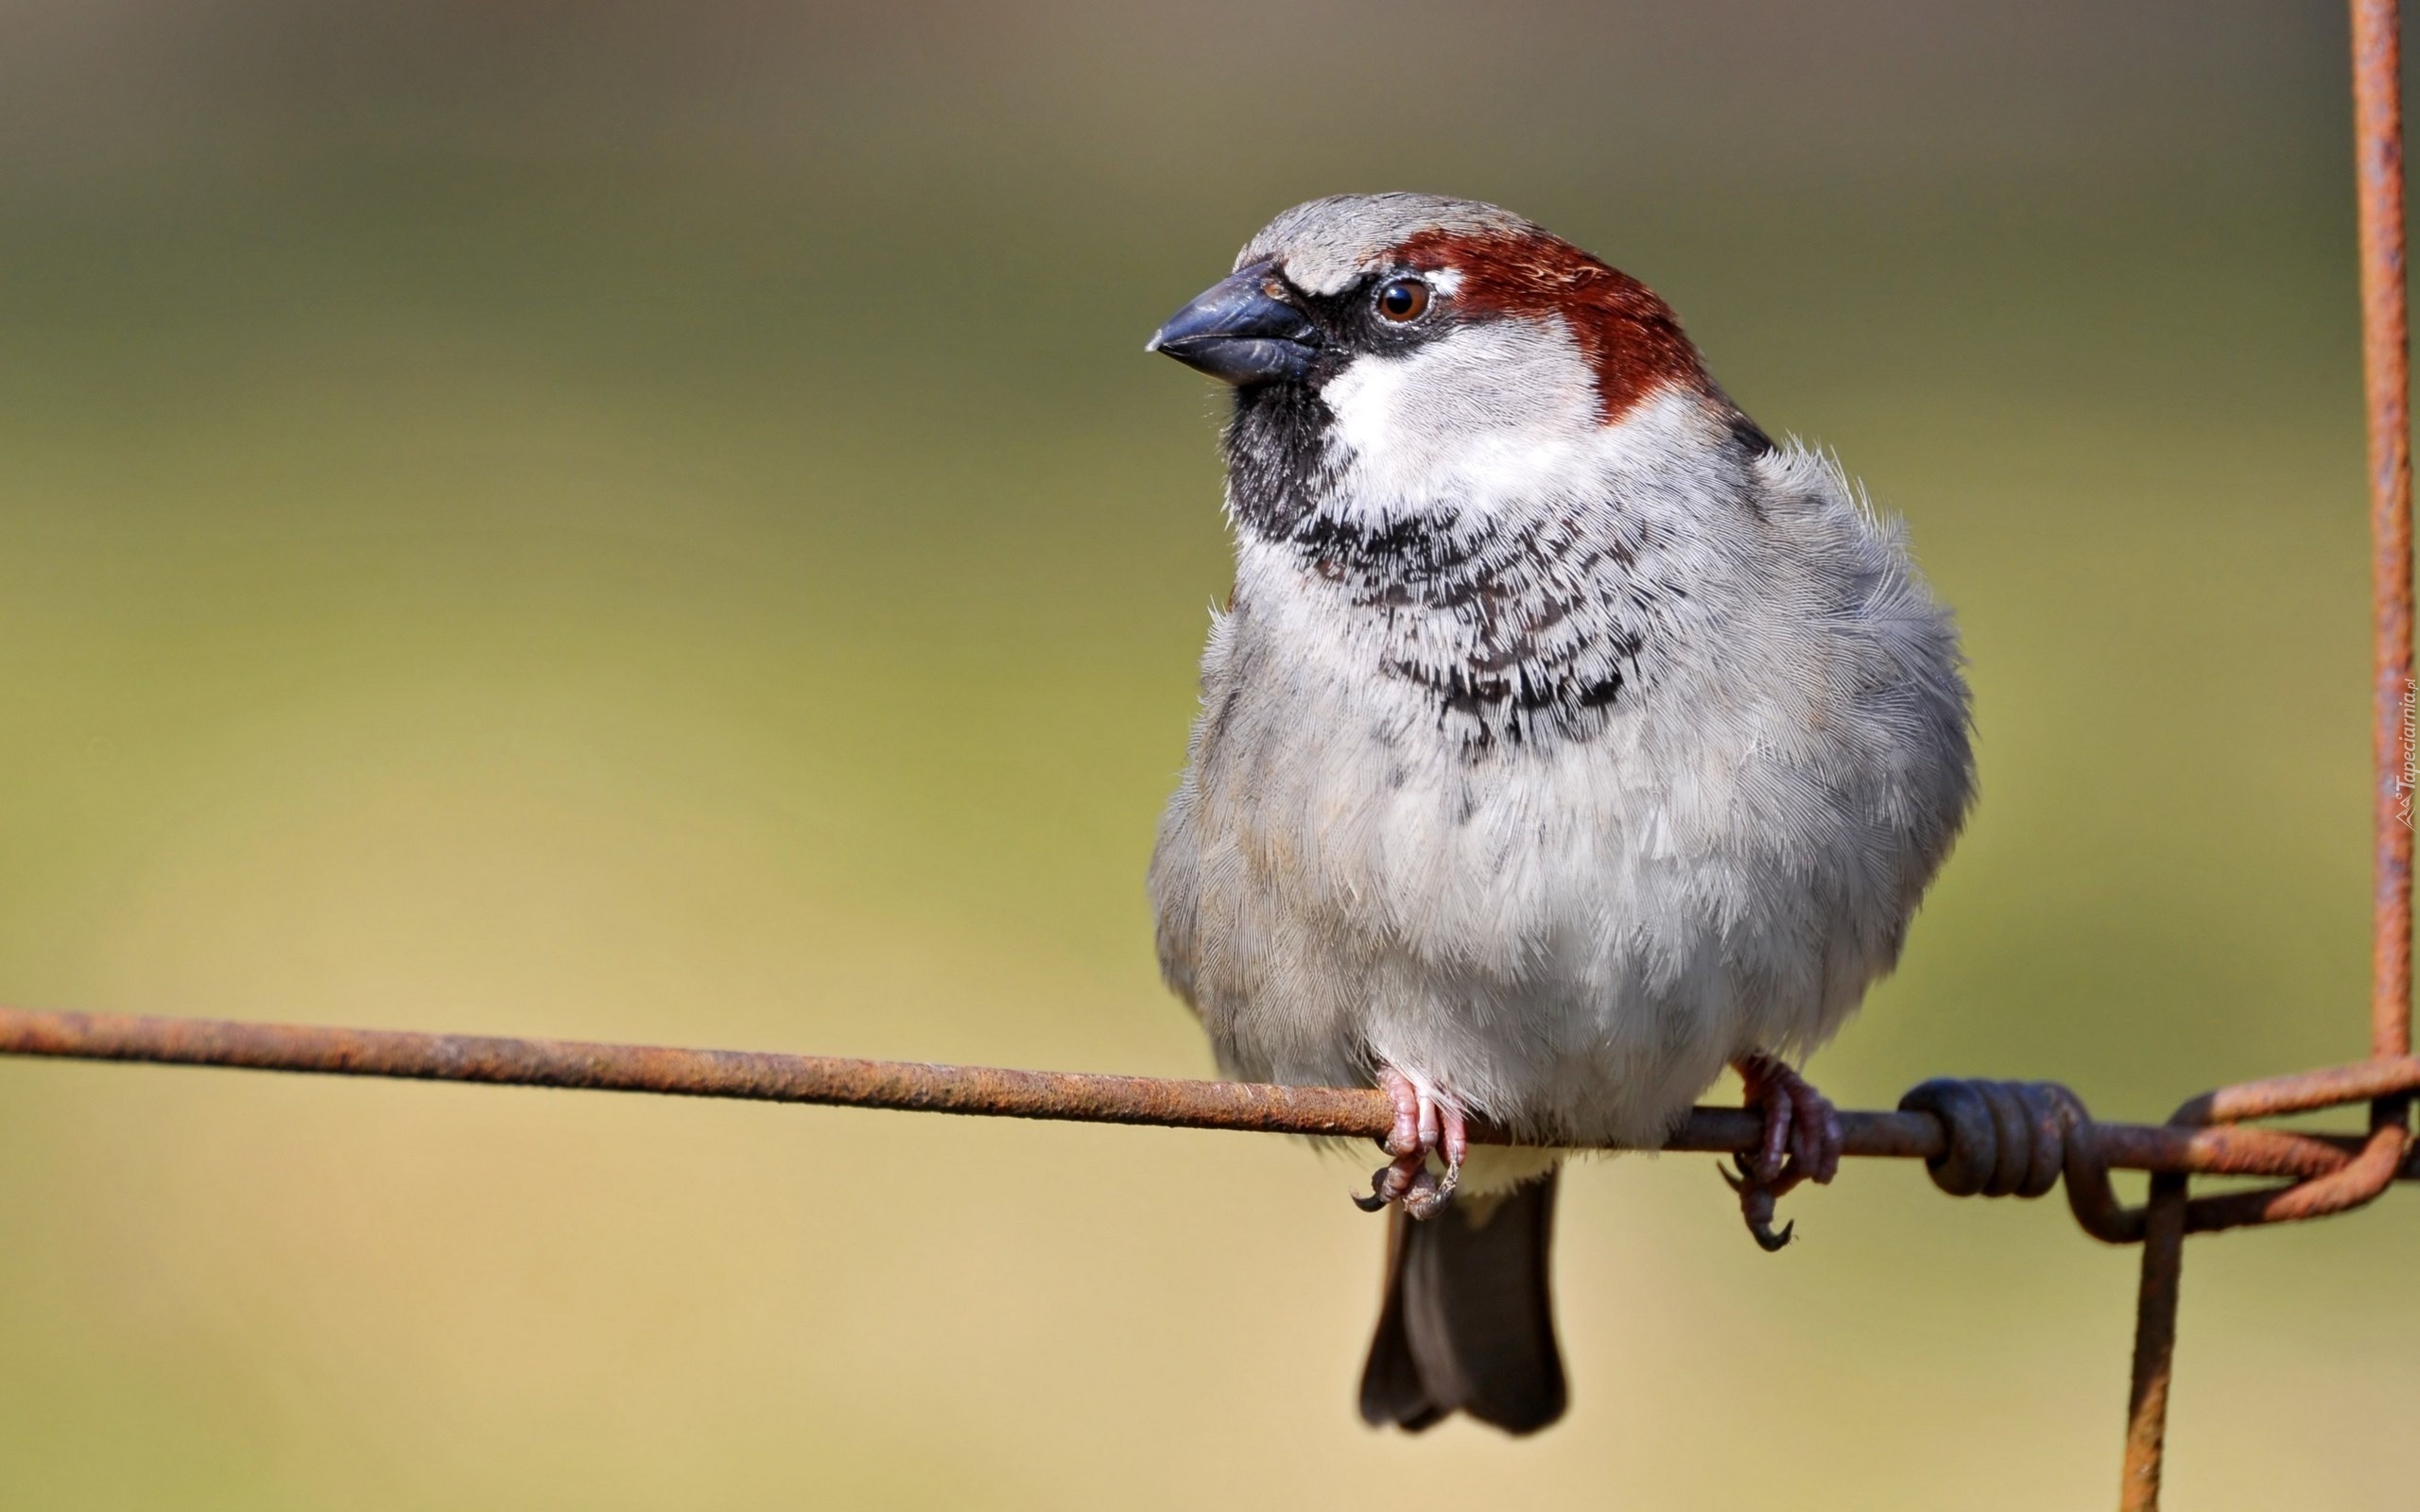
column 2154, row 1346
column 1962, row 1133
column 2386, row 1082
column 2378, row 129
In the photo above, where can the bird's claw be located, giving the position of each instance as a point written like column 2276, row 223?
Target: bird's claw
column 1801, row 1142
column 1407, row 1182
column 1426, row 1123
column 1756, row 1202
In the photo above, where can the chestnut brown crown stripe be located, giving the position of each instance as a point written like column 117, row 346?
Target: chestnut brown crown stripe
column 1629, row 337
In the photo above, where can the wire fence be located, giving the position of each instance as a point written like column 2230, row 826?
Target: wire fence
column 1977, row 1138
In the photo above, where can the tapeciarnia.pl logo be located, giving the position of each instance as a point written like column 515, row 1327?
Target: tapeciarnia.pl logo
column 2409, row 778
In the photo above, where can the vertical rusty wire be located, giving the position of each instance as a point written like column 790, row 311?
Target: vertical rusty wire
column 2155, row 1345
column 2377, row 123
column 2378, row 145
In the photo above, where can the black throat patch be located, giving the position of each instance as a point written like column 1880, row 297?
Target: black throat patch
column 1518, row 634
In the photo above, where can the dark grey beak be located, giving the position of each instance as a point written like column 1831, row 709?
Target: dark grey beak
column 1238, row 332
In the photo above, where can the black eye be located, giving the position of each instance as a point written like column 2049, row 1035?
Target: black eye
column 1403, row 298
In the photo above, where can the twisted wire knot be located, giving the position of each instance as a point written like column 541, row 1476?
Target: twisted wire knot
column 2005, row 1138
column 2016, row 1138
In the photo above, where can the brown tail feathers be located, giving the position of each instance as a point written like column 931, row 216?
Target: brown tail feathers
column 1468, row 1324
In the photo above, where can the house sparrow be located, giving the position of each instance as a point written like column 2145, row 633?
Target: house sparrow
column 1565, row 740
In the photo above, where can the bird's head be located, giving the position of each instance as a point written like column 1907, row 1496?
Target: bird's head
column 1403, row 351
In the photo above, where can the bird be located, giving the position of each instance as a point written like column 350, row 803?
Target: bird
column 1564, row 741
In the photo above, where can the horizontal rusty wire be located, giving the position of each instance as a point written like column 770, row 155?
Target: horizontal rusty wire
column 2386, row 1084
column 2018, row 1138
column 2276, row 1096
column 1911, row 1133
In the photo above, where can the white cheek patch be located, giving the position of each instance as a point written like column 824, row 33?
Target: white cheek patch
column 1483, row 416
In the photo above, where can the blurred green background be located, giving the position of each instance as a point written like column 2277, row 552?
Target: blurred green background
column 654, row 522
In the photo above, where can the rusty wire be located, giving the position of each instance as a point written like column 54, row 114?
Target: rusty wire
column 2386, row 384
column 1977, row 1138
column 2385, row 1082
column 1950, row 1145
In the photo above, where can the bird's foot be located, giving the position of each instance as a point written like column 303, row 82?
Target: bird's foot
column 1802, row 1143
column 1427, row 1121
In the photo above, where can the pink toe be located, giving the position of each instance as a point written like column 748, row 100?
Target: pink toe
column 1457, row 1142
column 1403, row 1139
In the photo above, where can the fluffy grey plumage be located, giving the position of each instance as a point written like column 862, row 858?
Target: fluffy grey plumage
column 1565, row 740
